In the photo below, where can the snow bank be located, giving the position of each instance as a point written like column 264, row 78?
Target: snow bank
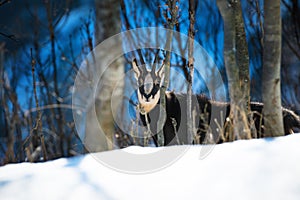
column 254, row 169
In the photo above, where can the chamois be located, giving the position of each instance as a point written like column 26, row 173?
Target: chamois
column 210, row 115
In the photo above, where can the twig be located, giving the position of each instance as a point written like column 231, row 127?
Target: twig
column 196, row 136
column 52, row 106
column 4, row 2
column 60, row 118
column 42, row 138
column 38, row 125
column 11, row 37
column 220, row 128
column 148, row 132
column 174, row 123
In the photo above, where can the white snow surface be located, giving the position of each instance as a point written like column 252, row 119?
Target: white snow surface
column 252, row 169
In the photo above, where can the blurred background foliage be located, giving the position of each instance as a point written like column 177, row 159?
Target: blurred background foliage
column 42, row 44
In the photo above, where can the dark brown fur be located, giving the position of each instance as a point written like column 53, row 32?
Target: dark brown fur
column 210, row 114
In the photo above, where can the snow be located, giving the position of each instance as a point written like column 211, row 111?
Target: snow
column 253, row 169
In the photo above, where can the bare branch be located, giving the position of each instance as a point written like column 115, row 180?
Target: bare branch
column 4, row 2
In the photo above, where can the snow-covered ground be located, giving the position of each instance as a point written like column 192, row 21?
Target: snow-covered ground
column 254, row 169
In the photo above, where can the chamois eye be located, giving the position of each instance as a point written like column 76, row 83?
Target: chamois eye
column 157, row 82
column 140, row 82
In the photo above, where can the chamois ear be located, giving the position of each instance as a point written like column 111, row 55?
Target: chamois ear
column 161, row 72
column 136, row 69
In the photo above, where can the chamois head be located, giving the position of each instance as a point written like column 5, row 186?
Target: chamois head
column 149, row 83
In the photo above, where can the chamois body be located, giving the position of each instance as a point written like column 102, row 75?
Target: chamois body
column 209, row 117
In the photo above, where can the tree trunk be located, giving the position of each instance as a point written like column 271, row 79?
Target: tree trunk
column 242, row 61
column 173, row 9
column 10, row 120
column 108, row 24
column 190, row 122
column 236, row 64
column 271, row 69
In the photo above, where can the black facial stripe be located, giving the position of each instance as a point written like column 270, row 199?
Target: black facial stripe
column 154, row 90
column 152, row 93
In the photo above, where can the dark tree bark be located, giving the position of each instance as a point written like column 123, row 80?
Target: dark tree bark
column 237, row 67
column 242, row 61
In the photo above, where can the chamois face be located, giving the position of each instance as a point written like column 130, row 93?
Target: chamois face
column 148, row 86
